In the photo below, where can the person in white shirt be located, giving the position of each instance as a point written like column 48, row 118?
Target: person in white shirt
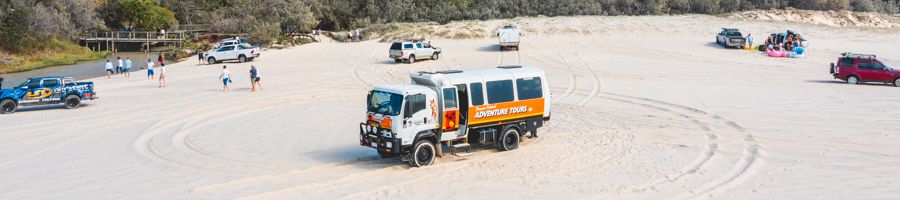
column 162, row 75
column 226, row 78
column 127, row 67
column 109, row 69
column 149, row 69
column 120, row 66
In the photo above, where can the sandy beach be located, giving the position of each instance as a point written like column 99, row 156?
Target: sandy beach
column 644, row 108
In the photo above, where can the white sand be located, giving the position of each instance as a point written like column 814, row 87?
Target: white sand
column 645, row 108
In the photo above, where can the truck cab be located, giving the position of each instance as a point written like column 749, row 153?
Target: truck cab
column 455, row 109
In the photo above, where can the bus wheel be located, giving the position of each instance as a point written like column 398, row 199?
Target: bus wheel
column 509, row 140
column 423, row 154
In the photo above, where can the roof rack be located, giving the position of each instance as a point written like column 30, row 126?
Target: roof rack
column 449, row 71
column 856, row 55
column 509, row 67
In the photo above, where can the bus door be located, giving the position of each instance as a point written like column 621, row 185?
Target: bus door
column 463, row 97
column 450, row 114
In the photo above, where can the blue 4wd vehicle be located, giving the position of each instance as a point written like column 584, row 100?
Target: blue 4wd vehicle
column 45, row 91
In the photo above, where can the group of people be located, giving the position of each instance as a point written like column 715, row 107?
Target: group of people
column 124, row 68
column 255, row 78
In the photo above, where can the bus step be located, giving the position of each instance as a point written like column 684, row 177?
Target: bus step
column 459, row 146
column 463, row 154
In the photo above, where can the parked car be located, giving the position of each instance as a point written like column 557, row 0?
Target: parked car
column 46, row 91
column 509, row 37
column 234, row 41
column 410, row 51
column 859, row 68
column 240, row 53
column 731, row 38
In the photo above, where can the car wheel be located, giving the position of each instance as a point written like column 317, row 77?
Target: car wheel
column 211, row 60
column 242, row 58
column 509, row 140
column 423, row 154
column 852, row 80
column 8, row 106
column 435, row 56
column 412, row 59
column 897, row 82
column 72, row 102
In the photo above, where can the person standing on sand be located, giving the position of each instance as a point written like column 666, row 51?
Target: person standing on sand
column 149, row 69
column 119, row 67
column 162, row 75
column 200, row 57
column 127, row 67
column 226, row 78
column 254, row 78
column 109, row 69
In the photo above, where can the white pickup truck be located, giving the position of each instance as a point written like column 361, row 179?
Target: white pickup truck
column 410, row 51
column 238, row 52
column 509, row 37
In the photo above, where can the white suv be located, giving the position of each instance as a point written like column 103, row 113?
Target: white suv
column 410, row 51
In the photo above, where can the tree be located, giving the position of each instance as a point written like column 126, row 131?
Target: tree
column 146, row 14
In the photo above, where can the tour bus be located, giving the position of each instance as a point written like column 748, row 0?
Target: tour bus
column 456, row 109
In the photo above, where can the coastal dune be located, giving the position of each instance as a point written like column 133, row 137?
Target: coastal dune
column 643, row 108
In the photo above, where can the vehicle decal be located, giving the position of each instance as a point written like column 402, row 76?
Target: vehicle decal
column 451, row 120
column 433, row 109
column 506, row 111
column 39, row 94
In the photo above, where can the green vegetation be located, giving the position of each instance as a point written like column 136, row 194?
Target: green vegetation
column 31, row 28
column 54, row 52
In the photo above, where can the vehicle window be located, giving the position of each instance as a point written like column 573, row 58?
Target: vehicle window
column 385, row 103
column 877, row 65
column 477, row 93
column 396, row 46
column 419, row 45
column 449, row 98
column 228, row 48
column 418, row 103
column 50, row 83
column 846, row 62
column 865, row 64
column 499, row 91
column 407, row 46
column 34, row 84
column 733, row 34
column 529, row 88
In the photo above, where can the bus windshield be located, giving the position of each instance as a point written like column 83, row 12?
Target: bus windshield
column 385, row 103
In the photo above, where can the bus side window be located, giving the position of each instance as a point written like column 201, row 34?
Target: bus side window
column 477, row 93
column 529, row 88
column 449, row 98
column 500, row 91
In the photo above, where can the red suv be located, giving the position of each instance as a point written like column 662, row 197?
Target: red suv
column 857, row 68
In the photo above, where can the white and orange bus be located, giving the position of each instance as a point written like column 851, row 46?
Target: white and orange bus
column 456, row 109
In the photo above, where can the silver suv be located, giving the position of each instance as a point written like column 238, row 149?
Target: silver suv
column 410, row 51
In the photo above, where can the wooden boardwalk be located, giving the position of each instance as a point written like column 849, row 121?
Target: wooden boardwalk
column 107, row 40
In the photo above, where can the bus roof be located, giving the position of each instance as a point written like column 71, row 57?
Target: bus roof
column 453, row 77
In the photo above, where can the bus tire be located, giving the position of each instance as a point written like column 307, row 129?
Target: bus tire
column 423, row 154
column 509, row 140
